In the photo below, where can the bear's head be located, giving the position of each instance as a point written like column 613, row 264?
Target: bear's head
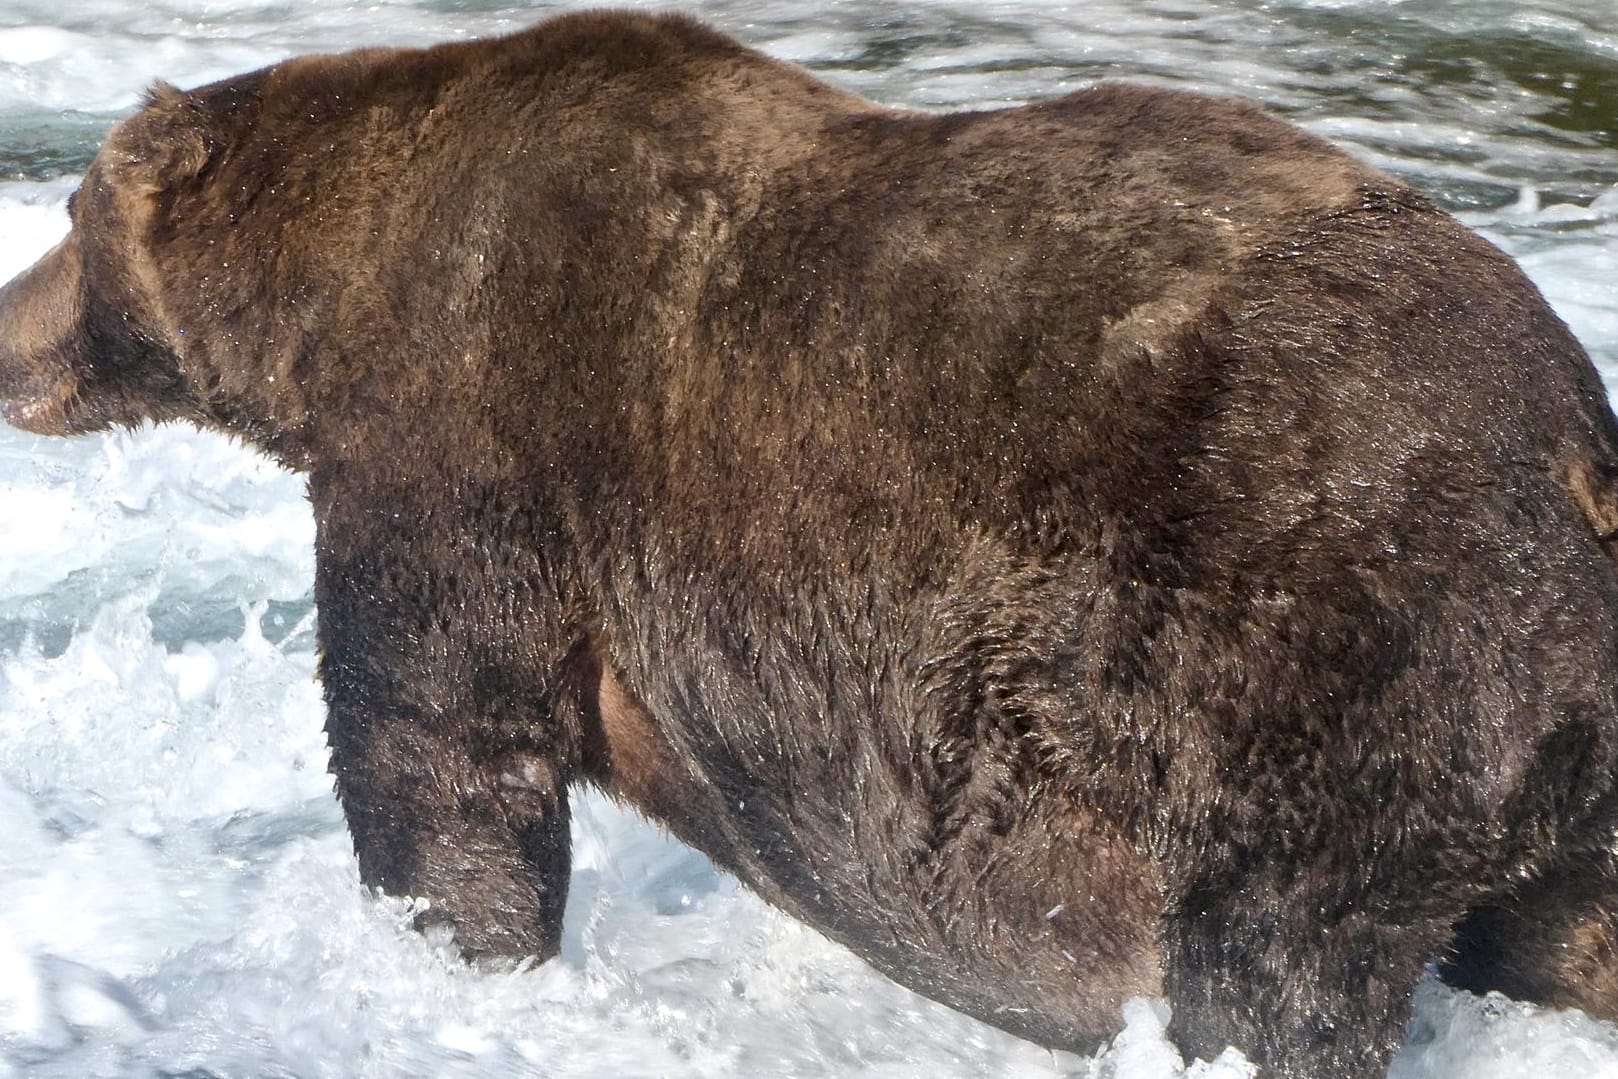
column 84, row 344
column 313, row 253
column 154, row 305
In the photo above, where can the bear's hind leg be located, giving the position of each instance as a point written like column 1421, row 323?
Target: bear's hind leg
column 1553, row 942
column 1303, row 993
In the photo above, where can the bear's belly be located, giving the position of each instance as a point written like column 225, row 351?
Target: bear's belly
column 1047, row 934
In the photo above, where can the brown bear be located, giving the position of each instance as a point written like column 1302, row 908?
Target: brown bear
column 1115, row 547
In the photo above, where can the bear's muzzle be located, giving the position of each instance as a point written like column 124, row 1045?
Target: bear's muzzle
column 40, row 329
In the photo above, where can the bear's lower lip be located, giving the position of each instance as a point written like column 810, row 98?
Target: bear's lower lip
column 37, row 415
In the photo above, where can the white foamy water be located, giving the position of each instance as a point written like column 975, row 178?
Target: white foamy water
column 177, row 892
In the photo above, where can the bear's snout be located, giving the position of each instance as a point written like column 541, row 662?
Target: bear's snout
column 39, row 326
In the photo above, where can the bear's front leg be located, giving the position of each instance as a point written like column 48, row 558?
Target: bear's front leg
column 451, row 760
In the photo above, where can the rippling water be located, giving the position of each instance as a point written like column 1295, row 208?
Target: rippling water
column 178, row 893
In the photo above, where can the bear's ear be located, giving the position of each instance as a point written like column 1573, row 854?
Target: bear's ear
column 190, row 141
column 176, row 136
column 169, row 141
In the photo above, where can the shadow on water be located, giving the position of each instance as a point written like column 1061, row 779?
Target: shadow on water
column 47, row 146
column 1552, row 76
column 1511, row 92
column 1575, row 92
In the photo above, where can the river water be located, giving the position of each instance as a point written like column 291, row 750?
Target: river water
column 177, row 895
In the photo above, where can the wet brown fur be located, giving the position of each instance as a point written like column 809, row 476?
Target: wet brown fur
column 1120, row 546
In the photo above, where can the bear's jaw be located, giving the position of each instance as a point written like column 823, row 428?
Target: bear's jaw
column 41, row 413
